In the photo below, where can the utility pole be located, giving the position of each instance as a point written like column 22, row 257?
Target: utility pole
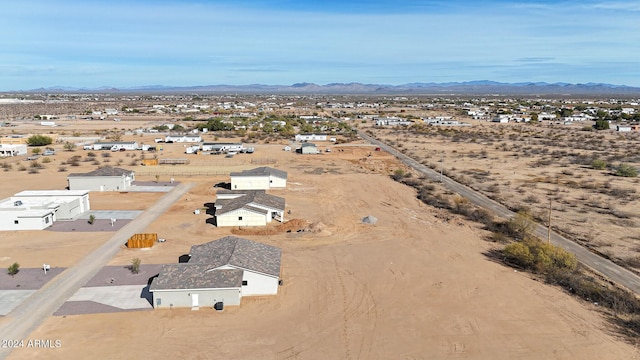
column 441, row 165
column 549, row 228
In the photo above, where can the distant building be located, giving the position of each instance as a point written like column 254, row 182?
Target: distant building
column 309, row 148
column 39, row 209
column 102, row 179
column 262, row 178
column 311, row 137
column 183, row 139
column 9, row 150
column 127, row 145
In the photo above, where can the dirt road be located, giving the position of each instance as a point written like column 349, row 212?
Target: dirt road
column 605, row 267
column 19, row 323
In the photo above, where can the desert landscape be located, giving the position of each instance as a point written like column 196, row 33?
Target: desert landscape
column 415, row 284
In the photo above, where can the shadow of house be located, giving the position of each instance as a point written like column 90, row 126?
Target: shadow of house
column 184, row 258
column 147, row 295
column 211, row 208
column 223, row 185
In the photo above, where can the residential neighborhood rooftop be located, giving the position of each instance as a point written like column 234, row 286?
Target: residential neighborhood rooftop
column 247, row 198
column 196, row 276
column 238, row 252
column 262, row 171
column 105, row 171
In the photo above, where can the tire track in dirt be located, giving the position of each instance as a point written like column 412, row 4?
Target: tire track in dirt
column 345, row 315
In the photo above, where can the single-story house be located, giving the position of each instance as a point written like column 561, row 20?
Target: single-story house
column 102, row 179
column 218, row 273
column 7, row 150
column 247, row 208
column 127, row 145
column 308, row 148
column 222, row 147
column 262, row 178
column 38, row 209
column 311, row 137
column 183, row 139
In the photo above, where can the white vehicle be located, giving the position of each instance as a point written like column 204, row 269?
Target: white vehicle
column 88, row 147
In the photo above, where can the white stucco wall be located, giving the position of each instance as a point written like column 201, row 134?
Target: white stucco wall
column 249, row 218
column 99, row 183
column 276, row 182
column 8, row 218
column 257, row 284
column 206, row 298
column 250, row 182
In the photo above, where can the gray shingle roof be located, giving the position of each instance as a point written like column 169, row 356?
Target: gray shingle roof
column 263, row 170
column 105, row 171
column 196, row 276
column 238, row 252
column 250, row 198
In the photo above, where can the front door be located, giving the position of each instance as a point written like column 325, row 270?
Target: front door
column 194, row 300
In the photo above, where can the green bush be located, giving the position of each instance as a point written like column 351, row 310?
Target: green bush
column 13, row 269
column 533, row 254
column 599, row 164
column 626, row 171
column 39, row 140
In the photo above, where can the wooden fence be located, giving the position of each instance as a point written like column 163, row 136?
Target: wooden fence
column 149, row 162
column 142, row 240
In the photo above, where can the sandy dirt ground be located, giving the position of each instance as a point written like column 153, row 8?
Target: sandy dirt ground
column 411, row 286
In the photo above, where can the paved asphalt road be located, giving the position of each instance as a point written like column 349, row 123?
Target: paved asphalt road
column 20, row 322
column 613, row 272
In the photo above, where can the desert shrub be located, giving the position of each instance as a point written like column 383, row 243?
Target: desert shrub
column 13, row 269
column 499, row 237
column 46, row 160
column 22, row 168
column 91, row 154
column 541, row 257
column 92, row 219
column 62, row 169
column 39, row 140
column 33, row 170
column 35, row 165
column 7, row 166
column 626, row 171
column 521, row 225
column 135, row 265
column 105, row 154
column 599, row 164
column 398, row 175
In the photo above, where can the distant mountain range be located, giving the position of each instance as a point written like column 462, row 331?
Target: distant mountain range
column 481, row 87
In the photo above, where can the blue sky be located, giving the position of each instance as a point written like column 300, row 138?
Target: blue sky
column 197, row 42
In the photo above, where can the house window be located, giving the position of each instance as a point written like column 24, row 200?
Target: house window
column 46, row 220
column 245, row 283
column 158, row 301
column 15, row 222
column 239, row 218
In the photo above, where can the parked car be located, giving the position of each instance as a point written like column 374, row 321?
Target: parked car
column 48, row 152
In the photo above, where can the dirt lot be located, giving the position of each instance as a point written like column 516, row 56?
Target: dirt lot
column 410, row 286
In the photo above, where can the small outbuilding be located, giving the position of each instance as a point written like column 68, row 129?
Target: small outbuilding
column 102, row 179
column 309, row 148
column 262, row 178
